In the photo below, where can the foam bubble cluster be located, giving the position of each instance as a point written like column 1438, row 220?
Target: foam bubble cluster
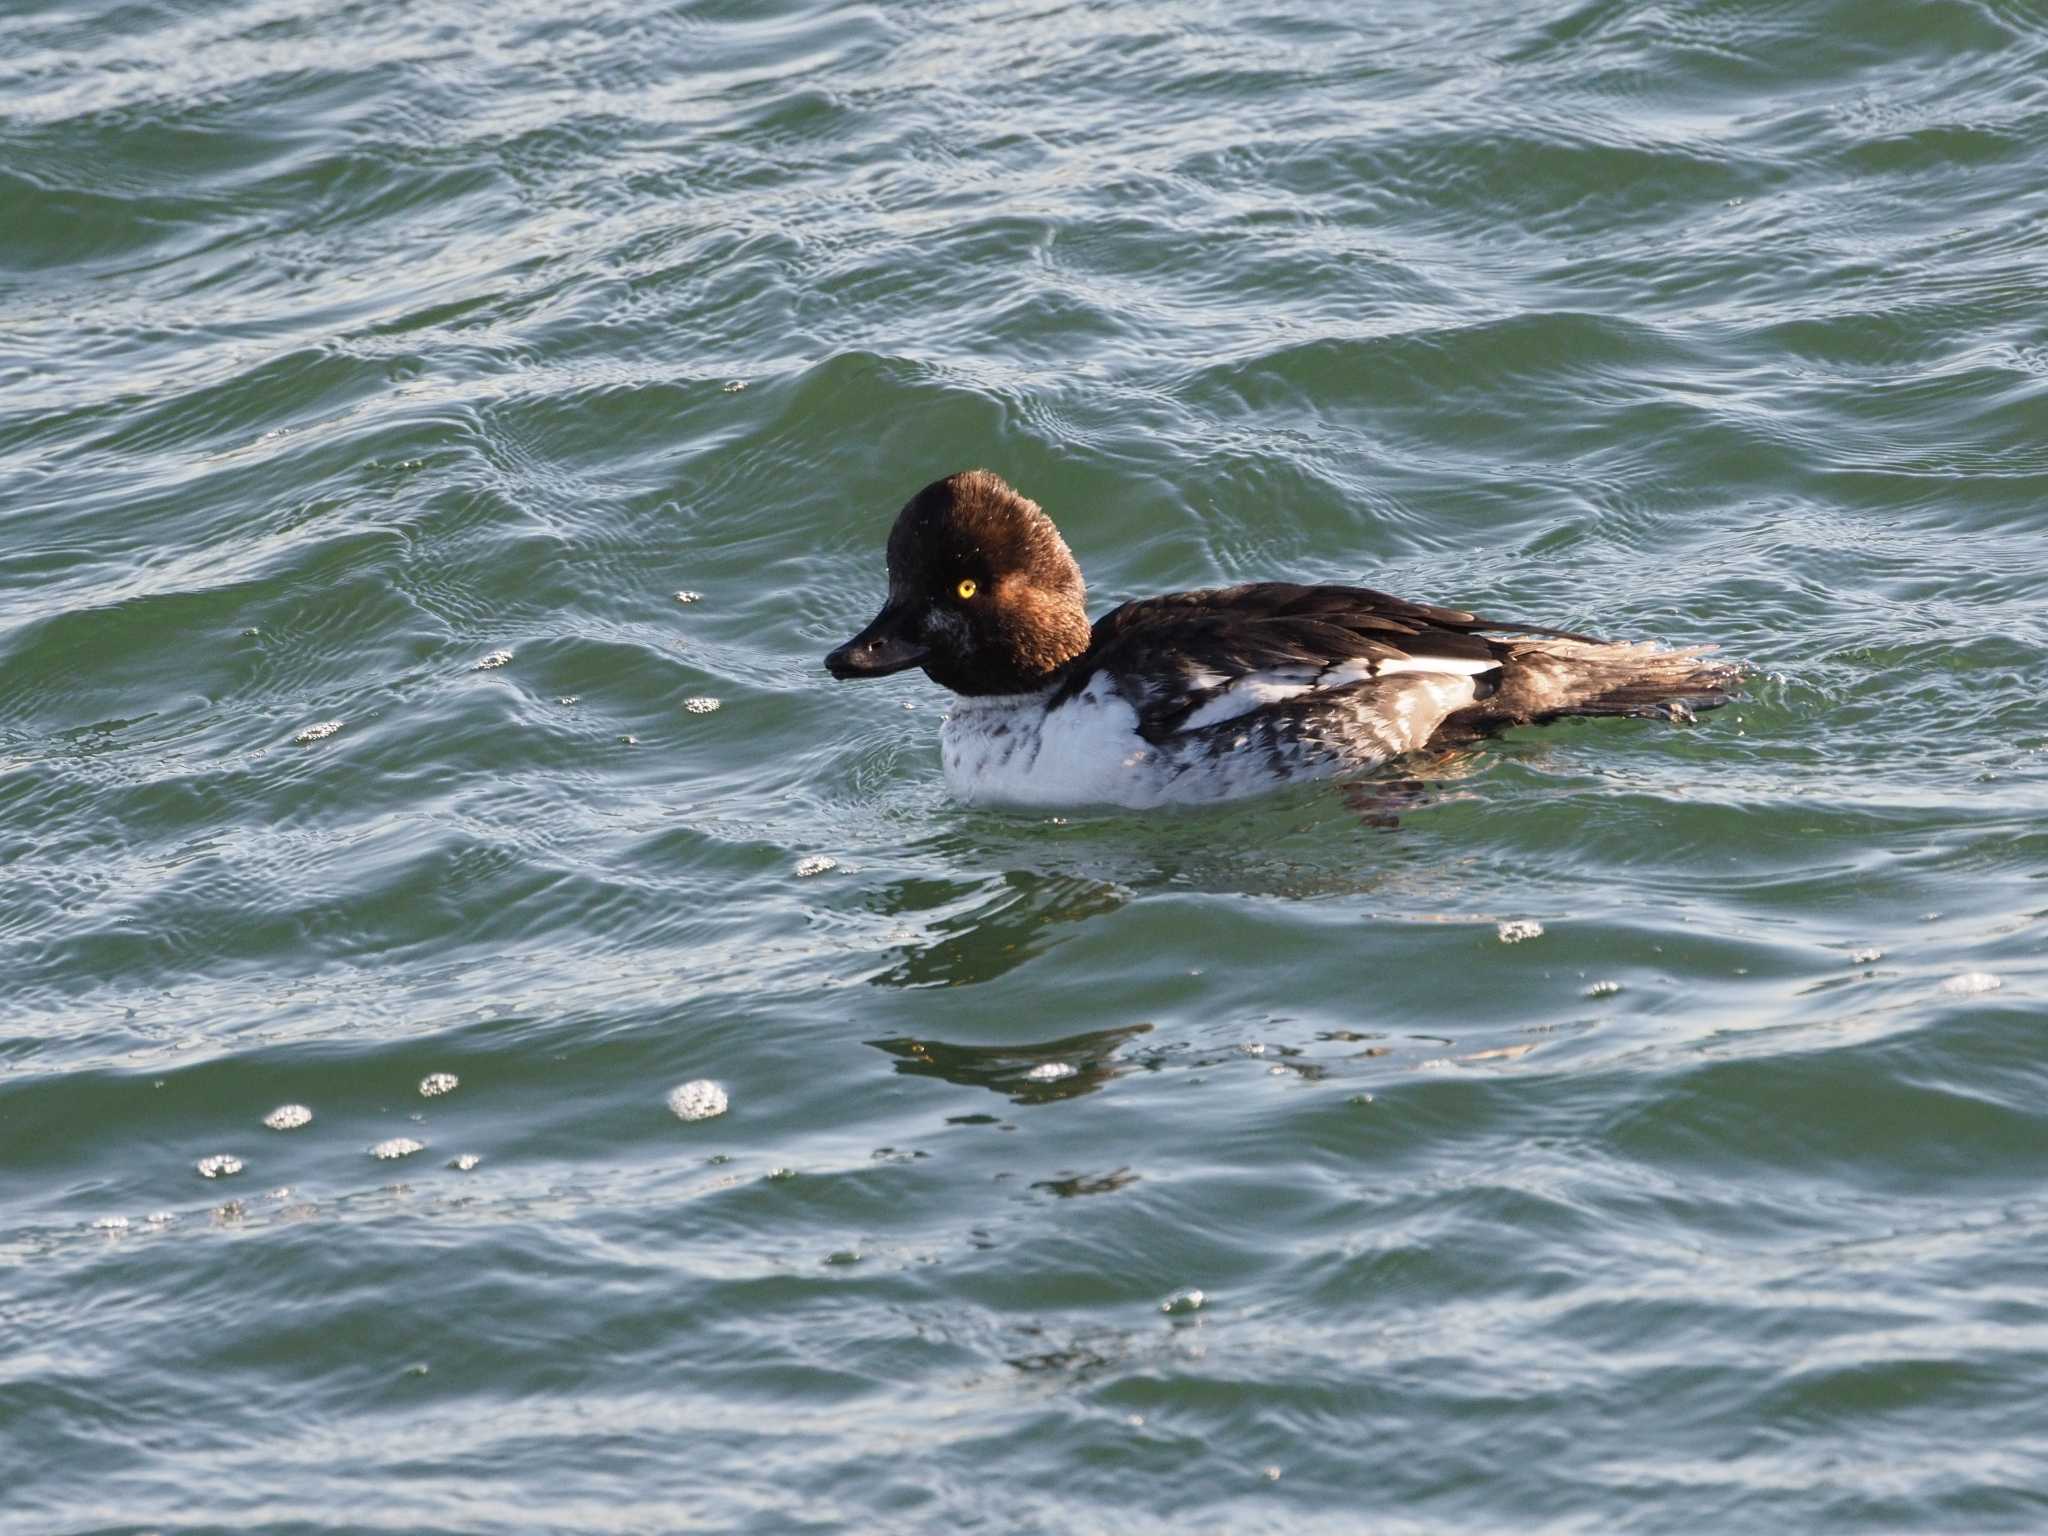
column 700, row 704
column 288, row 1117
column 815, row 864
column 434, row 1084
column 689, row 597
column 396, row 1147
column 1187, row 1299
column 110, row 1224
column 465, row 1161
column 320, row 732
column 1052, row 1071
column 698, row 1099
column 1518, row 930
column 219, row 1166
column 495, row 660
column 1971, row 984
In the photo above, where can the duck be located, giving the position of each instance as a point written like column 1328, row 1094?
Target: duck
column 1211, row 695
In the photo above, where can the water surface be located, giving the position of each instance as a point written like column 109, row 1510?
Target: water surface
column 394, row 367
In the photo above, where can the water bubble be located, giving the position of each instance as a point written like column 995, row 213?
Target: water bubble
column 160, row 1218
column 320, row 732
column 569, row 698
column 629, row 741
column 700, row 704
column 219, row 1166
column 815, row 864
column 396, row 1147
column 1360, row 1099
column 781, row 1175
column 1865, row 956
column 434, row 1084
column 1270, row 1474
column 282, row 1192
column 492, row 662
column 734, row 386
column 1052, row 1071
column 1603, row 989
column 464, row 1162
column 288, row 1117
column 110, row 1224
column 1187, row 1299
column 1252, row 1048
column 1518, row 930
column 687, row 596
column 1971, row 983
column 698, row 1099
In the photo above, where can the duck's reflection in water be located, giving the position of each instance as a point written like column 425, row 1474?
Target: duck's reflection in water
column 1037, row 1072
column 982, row 931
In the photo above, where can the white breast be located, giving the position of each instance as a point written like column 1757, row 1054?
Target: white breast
column 1014, row 751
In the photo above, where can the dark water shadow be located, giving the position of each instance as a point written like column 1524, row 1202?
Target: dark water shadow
column 1041, row 1072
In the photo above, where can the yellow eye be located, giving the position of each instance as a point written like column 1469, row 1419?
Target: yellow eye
column 966, row 589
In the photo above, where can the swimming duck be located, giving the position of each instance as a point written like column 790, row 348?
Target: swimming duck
column 1208, row 695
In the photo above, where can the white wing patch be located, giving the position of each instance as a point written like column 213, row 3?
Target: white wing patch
column 1255, row 690
column 1449, row 666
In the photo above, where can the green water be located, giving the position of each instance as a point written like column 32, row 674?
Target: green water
column 345, row 347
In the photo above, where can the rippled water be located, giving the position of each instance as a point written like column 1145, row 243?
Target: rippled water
column 438, row 443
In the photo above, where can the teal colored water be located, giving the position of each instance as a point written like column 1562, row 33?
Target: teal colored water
column 346, row 350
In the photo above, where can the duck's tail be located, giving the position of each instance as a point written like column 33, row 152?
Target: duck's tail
column 1541, row 680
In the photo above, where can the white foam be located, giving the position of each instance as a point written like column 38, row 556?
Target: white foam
column 1865, row 956
column 1052, row 1072
column 219, row 1166
column 434, row 1084
column 1971, row 984
column 110, row 1224
column 1187, row 1299
column 689, row 597
column 815, row 864
column 320, row 732
column 397, row 1146
column 698, row 1099
column 700, row 704
column 288, row 1117
column 1519, row 929
column 1603, row 989
column 492, row 662
column 465, row 1161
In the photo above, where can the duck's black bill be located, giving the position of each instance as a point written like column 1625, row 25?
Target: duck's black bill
column 885, row 646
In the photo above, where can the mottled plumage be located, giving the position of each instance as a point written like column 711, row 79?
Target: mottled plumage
column 1207, row 695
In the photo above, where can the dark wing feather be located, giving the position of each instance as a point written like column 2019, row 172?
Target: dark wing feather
column 1228, row 632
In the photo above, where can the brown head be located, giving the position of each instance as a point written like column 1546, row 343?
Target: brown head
column 983, row 593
